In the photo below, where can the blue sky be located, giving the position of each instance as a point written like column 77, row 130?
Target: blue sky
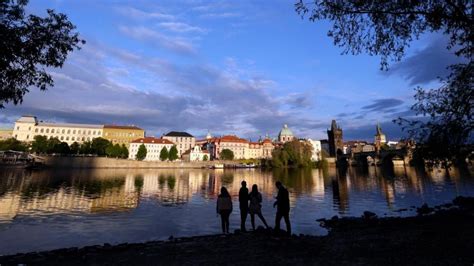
column 240, row 67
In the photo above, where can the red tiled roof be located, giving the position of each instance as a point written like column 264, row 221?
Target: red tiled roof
column 232, row 138
column 152, row 140
column 122, row 127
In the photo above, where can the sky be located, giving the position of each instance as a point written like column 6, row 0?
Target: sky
column 227, row 67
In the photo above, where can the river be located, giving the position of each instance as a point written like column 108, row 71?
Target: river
column 49, row 209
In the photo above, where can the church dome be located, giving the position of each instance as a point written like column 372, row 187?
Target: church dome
column 285, row 131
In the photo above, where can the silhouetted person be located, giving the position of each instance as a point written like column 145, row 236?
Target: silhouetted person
column 224, row 208
column 255, row 206
column 283, row 207
column 243, row 204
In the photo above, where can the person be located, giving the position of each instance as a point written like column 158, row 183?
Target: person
column 224, row 208
column 283, row 207
column 243, row 204
column 255, row 206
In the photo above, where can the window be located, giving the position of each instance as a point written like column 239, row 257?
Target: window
column 74, row 131
column 89, row 132
column 29, row 128
column 67, row 138
column 63, row 131
column 72, row 138
column 69, row 131
column 17, row 128
column 62, row 137
column 36, row 130
column 27, row 136
column 52, row 130
column 47, row 130
column 41, row 130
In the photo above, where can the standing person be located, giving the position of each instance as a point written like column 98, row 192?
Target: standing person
column 255, row 206
column 243, row 204
column 224, row 208
column 283, row 207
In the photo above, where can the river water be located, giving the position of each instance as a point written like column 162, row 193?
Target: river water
column 49, row 209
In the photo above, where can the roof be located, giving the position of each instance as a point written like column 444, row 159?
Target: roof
column 27, row 119
column 42, row 124
column 122, row 127
column 232, row 138
column 285, row 131
column 152, row 140
column 178, row 134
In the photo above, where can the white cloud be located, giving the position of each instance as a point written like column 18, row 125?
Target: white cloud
column 181, row 27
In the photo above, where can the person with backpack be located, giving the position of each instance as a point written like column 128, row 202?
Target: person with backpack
column 255, row 206
column 224, row 208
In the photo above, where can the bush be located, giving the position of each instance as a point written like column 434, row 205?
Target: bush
column 227, row 154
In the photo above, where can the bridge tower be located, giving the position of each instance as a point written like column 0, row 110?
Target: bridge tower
column 336, row 145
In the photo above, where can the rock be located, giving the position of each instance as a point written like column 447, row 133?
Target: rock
column 424, row 209
column 369, row 215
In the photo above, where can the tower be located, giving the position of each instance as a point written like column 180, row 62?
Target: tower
column 379, row 138
column 336, row 146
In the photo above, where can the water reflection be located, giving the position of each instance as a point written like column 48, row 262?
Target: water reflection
column 173, row 202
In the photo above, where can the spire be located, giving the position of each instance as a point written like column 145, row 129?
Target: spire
column 208, row 136
column 379, row 130
column 333, row 124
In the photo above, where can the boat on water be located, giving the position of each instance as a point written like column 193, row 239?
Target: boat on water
column 18, row 159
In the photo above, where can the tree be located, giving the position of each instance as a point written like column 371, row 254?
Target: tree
column 141, row 153
column 113, row 150
column 86, row 148
column 99, row 145
column 75, row 148
column 164, row 154
column 29, row 46
column 123, row 152
column 39, row 144
column 62, row 148
column 205, row 157
column 386, row 28
column 173, row 154
column 227, row 154
column 12, row 144
column 293, row 154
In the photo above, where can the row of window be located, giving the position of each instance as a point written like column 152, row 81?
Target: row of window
column 66, row 138
column 181, row 139
column 68, row 131
column 122, row 134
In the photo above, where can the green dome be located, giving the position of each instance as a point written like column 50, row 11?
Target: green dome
column 285, row 131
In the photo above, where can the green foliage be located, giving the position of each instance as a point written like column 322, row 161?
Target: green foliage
column 75, row 147
column 12, row 144
column 141, row 153
column 227, row 154
column 205, row 157
column 99, row 145
column 173, row 154
column 123, row 152
column 293, row 154
column 114, row 151
column 86, row 148
column 164, row 154
column 30, row 45
column 39, row 144
column 386, row 28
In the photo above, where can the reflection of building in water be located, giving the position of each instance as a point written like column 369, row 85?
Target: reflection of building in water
column 114, row 199
column 340, row 190
column 9, row 205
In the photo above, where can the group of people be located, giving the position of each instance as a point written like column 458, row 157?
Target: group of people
column 251, row 203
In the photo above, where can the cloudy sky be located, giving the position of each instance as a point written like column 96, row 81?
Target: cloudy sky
column 231, row 67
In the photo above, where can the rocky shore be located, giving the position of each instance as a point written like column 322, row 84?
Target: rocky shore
column 443, row 235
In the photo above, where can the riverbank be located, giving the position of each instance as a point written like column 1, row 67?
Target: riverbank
column 441, row 235
column 104, row 162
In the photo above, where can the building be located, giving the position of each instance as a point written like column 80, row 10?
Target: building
column 285, row 134
column 122, row 134
column 237, row 145
column 6, row 134
column 183, row 140
column 242, row 148
column 336, row 146
column 316, row 152
column 379, row 139
column 27, row 127
column 196, row 154
column 153, row 147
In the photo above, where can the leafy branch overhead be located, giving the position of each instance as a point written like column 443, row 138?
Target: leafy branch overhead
column 386, row 28
column 29, row 45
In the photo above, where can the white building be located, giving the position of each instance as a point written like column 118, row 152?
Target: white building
column 316, row 152
column 196, row 154
column 183, row 140
column 27, row 127
column 153, row 147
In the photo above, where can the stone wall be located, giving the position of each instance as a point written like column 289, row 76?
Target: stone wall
column 102, row 162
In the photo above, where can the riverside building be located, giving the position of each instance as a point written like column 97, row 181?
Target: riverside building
column 27, row 127
column 183, row 140
column 153, row 147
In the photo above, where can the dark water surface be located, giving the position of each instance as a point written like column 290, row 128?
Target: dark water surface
column 48, row 209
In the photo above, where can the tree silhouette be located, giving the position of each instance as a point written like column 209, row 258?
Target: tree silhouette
column 164, row 154
column 385, row 28
column 173, row 154
column 28, row 46
column 141, row 153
